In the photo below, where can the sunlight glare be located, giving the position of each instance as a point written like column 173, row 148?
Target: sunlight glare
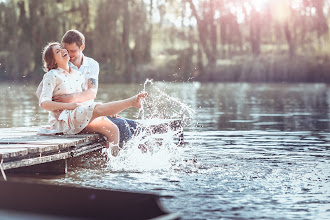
column 240, row 16
column 259, row 5
column 280, row 10
column 238, row 11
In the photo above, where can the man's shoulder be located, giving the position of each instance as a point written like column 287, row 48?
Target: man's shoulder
column 91, row 61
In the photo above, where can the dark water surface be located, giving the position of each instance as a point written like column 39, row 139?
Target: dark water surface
column 251, row 151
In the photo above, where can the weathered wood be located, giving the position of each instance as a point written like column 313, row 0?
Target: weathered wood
column 22, row 147
column 13, row 152
column 75, row 151
column 22, row 150
column 55, row 167
column 31, row 148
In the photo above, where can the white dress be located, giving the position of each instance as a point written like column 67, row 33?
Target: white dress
column 59, row 82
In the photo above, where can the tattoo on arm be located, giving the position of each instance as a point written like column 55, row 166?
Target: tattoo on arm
column 93, row 81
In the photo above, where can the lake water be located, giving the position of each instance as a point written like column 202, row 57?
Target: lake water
column 251, row 151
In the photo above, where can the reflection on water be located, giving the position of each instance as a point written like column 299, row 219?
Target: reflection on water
column 231, row 106
column 265, row 106
column 251, row 151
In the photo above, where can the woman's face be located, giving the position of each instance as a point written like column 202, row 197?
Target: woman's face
column 61, row 55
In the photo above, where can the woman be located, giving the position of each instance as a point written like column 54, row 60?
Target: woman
column 72, row 118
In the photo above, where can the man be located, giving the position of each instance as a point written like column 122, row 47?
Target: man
column 74, row 42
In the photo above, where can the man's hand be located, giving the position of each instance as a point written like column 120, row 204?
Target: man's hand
column 66, row 98
column 72, row 106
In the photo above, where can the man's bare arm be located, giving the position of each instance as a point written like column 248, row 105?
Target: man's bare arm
column 79, row 97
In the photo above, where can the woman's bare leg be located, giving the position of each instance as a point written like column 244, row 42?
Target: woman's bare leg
column 112, row 108
column 107, row 128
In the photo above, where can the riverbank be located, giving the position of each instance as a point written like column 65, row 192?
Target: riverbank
column 267, row 68
column 181, row 67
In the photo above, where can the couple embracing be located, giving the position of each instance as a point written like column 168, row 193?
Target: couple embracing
column 68, row 90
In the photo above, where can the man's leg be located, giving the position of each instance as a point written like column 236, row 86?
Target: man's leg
column 133, row 125
column 126, row 128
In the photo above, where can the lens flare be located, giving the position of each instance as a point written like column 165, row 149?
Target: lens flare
column 280, row 10
column 259, row 5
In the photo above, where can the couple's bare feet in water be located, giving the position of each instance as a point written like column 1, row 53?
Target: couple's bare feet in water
column 138, row 99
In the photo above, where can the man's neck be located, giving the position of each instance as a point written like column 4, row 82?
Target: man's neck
column 79, row 63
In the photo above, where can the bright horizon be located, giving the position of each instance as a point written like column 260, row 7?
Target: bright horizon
column 280, row 10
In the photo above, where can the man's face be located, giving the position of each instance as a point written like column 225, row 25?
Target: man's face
column 75, row 53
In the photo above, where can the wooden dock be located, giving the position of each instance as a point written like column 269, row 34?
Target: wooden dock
column 23, row 147
column 23, row 150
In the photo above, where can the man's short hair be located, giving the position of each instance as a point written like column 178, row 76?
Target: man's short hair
column 73, row 36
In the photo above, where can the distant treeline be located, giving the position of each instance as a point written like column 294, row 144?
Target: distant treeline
column 174, row 40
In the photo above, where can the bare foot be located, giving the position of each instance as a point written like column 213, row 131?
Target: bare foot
column 115, row 150
column 138, row 99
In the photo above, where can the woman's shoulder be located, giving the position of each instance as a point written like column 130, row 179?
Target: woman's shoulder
column 51, row 75
column 52, row 72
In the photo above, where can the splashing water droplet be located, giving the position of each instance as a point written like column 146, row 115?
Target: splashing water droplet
column 140, row 113
column 148, row 150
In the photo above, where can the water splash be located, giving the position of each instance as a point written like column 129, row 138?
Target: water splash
column 146, row 82
column 150, row 151
column 159, row 104
column 146, row 152
column 183, row 106
column 141, row 110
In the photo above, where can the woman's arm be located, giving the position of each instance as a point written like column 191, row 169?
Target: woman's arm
column 55, row 106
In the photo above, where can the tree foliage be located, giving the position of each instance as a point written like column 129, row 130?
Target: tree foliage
column 174, row 39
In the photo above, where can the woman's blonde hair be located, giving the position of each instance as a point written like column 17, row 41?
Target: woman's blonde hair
column 48, row 59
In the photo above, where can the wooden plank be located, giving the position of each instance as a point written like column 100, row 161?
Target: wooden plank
column 33, row 161
column 40, row 140
column 87, row 149
column 55, row 167
column 18, row 132
column 32, row 149
column 14, row 152
column 48, row 143
column 22, row 147
column 49, row 158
